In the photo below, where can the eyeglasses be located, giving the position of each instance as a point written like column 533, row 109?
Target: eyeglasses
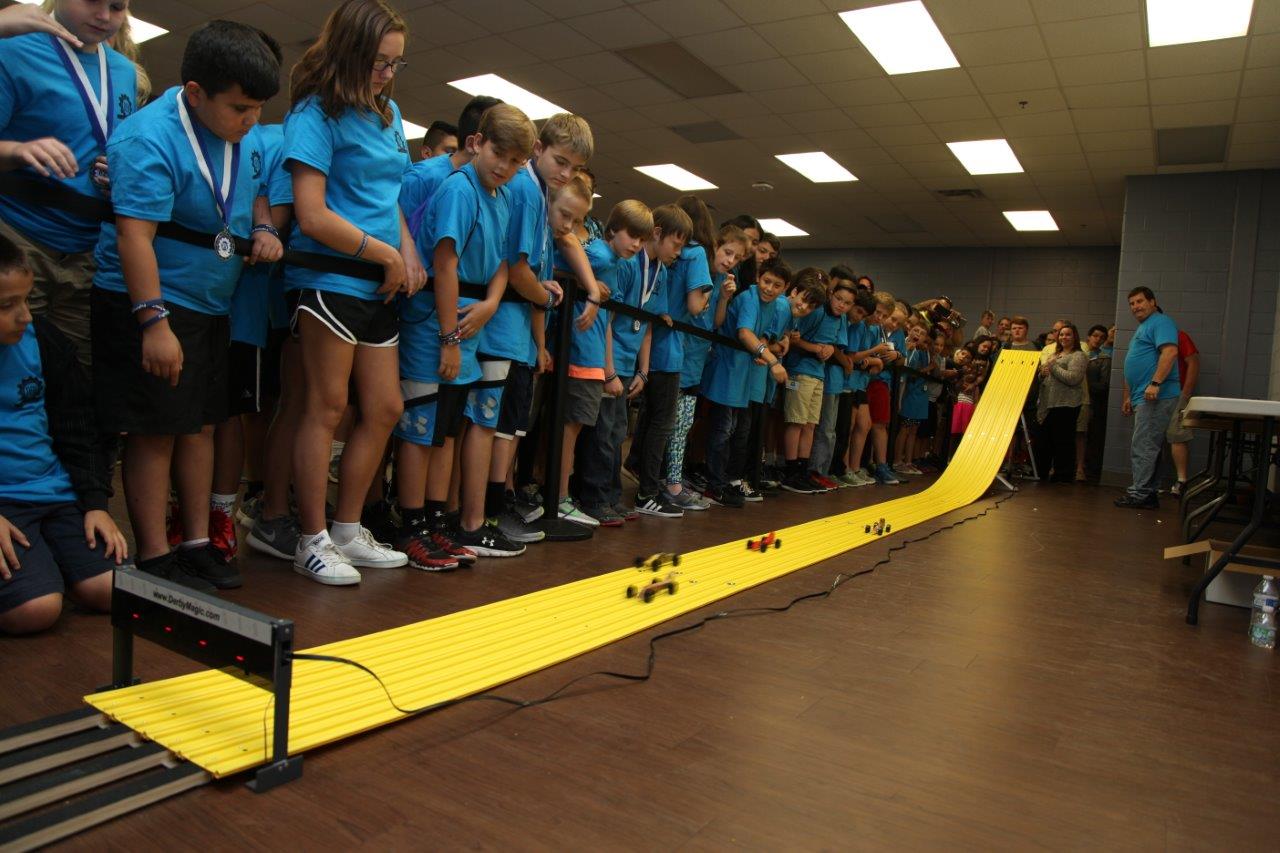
column 393, row 65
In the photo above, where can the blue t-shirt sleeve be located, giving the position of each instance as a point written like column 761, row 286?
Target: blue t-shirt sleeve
column 281, row 186
column 526, row 230
column 308, row 137
column 144, row 180
column 454, row 212
column 748, row 314
column 698, row 274
column 1164, row 333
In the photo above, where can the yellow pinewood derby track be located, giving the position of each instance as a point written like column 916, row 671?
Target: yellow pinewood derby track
column 217, row 721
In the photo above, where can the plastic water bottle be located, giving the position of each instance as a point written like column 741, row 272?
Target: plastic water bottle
column 1262, row 624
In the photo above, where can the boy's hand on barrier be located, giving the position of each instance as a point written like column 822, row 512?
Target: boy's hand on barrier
column 587, row 317
column 554, row 288
column 101, row 175
column 266, row 248
column 99, row 523
column 637, row 385
column 415, row 275
column 544, row 361
column 393, row 274
column 471, row 318
column 450, row 363
column 48, row 156
column 9, row 534
column 161, row 353
column 613, row 388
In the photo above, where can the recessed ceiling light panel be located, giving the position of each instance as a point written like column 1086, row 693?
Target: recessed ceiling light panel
column 535, row 107
column 1186, row 21
column 818, row 167
column 675, row 176
column 986, row 156
column 902, row 37
column 1031, row 220
column 782, row 228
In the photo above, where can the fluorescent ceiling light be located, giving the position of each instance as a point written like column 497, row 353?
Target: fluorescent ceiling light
column 1185, row 21
column 1031, row 220
column 412, row 130
column 141, row 30
column 674, row 176
column 902, row 37
column 533, row 106
column 986, row 156
column 817, row 167
column 782, row 228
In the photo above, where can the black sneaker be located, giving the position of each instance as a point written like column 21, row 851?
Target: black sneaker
column 749, row 494
column 696, row 480
column 658, row 505
column 527, row 502
column 1134, row 502
column 487, row 541
column 1178, row 487
column 730, row 496
column 798, row 483
column 177, row 571
column 204, row 563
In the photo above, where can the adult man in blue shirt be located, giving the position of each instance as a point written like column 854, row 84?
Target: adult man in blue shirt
column 1151, row 389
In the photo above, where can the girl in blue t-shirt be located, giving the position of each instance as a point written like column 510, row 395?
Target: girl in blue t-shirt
column 345, row 148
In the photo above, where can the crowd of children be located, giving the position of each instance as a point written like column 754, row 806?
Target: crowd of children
column 418, row 332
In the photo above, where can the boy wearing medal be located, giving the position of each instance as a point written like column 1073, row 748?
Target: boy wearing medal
column 59, row 104
column 160, row 306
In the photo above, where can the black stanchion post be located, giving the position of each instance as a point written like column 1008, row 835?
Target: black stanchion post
column 556, row 529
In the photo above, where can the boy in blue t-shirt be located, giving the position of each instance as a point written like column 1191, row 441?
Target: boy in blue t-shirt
column 423, row 177
column 814, row 340
column 461, row 236
column 591, row 349
column 726, row 383
column 56, row 537
column 160, row 328
column 59, row 103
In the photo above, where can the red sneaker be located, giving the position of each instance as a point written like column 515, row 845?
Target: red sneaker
column 173, row 525
column 441, row 542
column 423, row 554
column 222, row 534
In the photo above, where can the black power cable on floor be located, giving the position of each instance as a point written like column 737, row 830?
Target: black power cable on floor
column 558, row 693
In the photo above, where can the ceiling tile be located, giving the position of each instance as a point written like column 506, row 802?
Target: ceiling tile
column 1139, row 159
column 965, row 16
column 1199, row 87
column 599, row 68
column 1264, row 50
column 675, row 113
column 1062, row 143
column 855, row 93
column 436, row 25
column 997, row 47
column 836, row 65
column 834, row 140
column 569, row 8
column 903, row 134
column 946, row 83
column 882, row 115
column 1111, row 34
column 1258, row 109
column 495, row 54
column 728, row 106
column 1254, row 152
column 763, row 75
column 1035, row 163
column 552, row 41
column 1194, row 115
column 729, row 47
column 1038, row 124
column 1101, row 68
column 499, row 15
column 1260, row 81
column 820, row 121
column 952, row 109
column 1115, row 140
column 983, row 128
column 617, row 28
column 1026, row 103
column 1129, row 94
column 621, row 121
column 1056, row 10
column 811, row 33
column 689, row 17
column 795, row 99
column 1073, row 177
column 1265, row 132
column 1179, row 60
column 1016, row 76
column 932, row 152
column 762, row 11
column 1112, row 118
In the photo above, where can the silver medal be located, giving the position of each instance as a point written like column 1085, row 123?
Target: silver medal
column 635, row 325
column 224, row 244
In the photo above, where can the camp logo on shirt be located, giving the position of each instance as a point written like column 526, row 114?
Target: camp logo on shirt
column 30, row 390
column 124, row 107
column 256, row 161
column 400, row 146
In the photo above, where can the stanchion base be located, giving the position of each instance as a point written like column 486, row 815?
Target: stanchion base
column 559, row 530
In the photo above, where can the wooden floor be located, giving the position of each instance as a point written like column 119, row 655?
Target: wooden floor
column 1023, row 680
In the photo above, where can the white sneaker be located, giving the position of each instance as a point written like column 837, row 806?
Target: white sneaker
column 863, row 478
column 570, row 511
column 319, row 559
column 369, row 553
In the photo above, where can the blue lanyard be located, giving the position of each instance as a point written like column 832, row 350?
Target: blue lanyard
column 98, row 110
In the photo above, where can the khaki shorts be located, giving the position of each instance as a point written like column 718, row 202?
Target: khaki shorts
column 803, row 403
column 1177, row 433
column 62, row 285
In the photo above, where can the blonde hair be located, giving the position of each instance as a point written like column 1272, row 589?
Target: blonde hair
column 631, row 216
column 571, row 131
column 509, row 129
column 577, row 186
column 122, row 42
column 884, row 299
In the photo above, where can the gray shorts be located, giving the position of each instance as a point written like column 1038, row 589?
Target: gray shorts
column 1177, row 433
column 582, row 402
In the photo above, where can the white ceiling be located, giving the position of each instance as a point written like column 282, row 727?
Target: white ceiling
column 1070, row 83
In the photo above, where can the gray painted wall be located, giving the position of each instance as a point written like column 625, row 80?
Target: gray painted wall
column 1206, row 244
column 1043, row 284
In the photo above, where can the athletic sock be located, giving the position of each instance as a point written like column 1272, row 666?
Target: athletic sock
column 412, row 519
column 335, row 449
column 495, row 499
column 226, row 503
column 342, row 532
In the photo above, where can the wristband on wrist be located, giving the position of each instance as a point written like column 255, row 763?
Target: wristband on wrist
column 157, row 303
column 364, row 244
column 595, row 302
column 610, row 377
column 268, row 227
column 551, row 301
column 760, row 350
column 644, row 377
column 162, row 314
column 450, row 339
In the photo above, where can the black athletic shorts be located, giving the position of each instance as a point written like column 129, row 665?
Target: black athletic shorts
column 359, row 322
column 859, row 398
column 517, row 402
column 253, row 374
column 128, row 399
